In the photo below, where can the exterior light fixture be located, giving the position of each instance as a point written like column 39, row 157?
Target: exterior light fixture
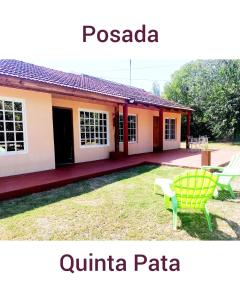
column 131, row 101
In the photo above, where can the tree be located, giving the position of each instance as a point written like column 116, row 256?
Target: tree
column 156, row 88
column 212, row 89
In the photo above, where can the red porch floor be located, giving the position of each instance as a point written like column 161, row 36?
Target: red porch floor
column 19, row 185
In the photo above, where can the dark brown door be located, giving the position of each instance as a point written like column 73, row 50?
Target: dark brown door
column 63, row 135
column 155, row 133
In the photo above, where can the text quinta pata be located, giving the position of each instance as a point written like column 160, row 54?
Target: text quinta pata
column 68, row 263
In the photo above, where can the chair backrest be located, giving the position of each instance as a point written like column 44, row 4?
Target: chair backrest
column 232, row 168
column 234, row 162
column 194, row 188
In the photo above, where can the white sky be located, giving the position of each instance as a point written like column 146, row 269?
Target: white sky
column 49, row 33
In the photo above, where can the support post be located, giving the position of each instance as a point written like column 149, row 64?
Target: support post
column 188, row 129
column 161, row 130
column 125, row 129
column 116, row 125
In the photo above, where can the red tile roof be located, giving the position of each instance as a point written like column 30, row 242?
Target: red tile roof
column 82, row 82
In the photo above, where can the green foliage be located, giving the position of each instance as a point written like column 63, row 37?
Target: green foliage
column 212, row 89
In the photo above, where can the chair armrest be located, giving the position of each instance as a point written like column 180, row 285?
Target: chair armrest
column 212, row 168
column 165, row 185
column 226, row 175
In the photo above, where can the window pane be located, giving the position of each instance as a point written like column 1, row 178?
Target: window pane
column 9, row 126
column 8, row 105
column 19, row 136
column 17, row 106
column 8, row 115
column 10, row 147
column 10, row 136
column 2, row 148
column 92, row 123
column 170, row 127
column 18, row 116
column 2, row 138
column 131, row 128
column 19, row 126
column 20, row 146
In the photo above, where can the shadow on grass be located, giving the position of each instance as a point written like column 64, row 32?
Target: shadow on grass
column 23, row 204
column 225, row 195
column 195, row 224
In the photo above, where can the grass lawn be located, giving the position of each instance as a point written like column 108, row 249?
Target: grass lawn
column 120, row 206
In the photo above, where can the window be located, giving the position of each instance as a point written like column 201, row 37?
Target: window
column 170, row 129
column 93, row 128
column 11, row 126
column 132, row 128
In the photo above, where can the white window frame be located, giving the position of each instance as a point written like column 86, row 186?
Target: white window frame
column 130, row 142
column 24, row 122
column 175, row 132
column 79, row 122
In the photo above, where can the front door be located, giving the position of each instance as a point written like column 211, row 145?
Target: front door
column 155, row 134
column 63, row 135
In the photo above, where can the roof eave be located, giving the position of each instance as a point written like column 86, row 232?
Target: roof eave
column 41, row 86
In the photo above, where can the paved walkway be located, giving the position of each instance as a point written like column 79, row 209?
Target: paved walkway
column 19, row 185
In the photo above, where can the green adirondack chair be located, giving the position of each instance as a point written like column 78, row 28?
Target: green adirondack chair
column 226, row 174
column 190, row 190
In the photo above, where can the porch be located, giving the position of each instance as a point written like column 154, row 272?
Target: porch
column 19, row 185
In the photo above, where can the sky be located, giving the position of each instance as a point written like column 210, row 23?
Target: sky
column 144, row 71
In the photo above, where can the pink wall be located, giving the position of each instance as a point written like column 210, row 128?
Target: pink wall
column 39, row 134
column 172, row 144
column 90, row 153
column 144, row 142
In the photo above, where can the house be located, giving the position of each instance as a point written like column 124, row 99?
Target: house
column 49, row 118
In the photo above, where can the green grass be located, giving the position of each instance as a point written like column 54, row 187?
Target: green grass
column 120, row 206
